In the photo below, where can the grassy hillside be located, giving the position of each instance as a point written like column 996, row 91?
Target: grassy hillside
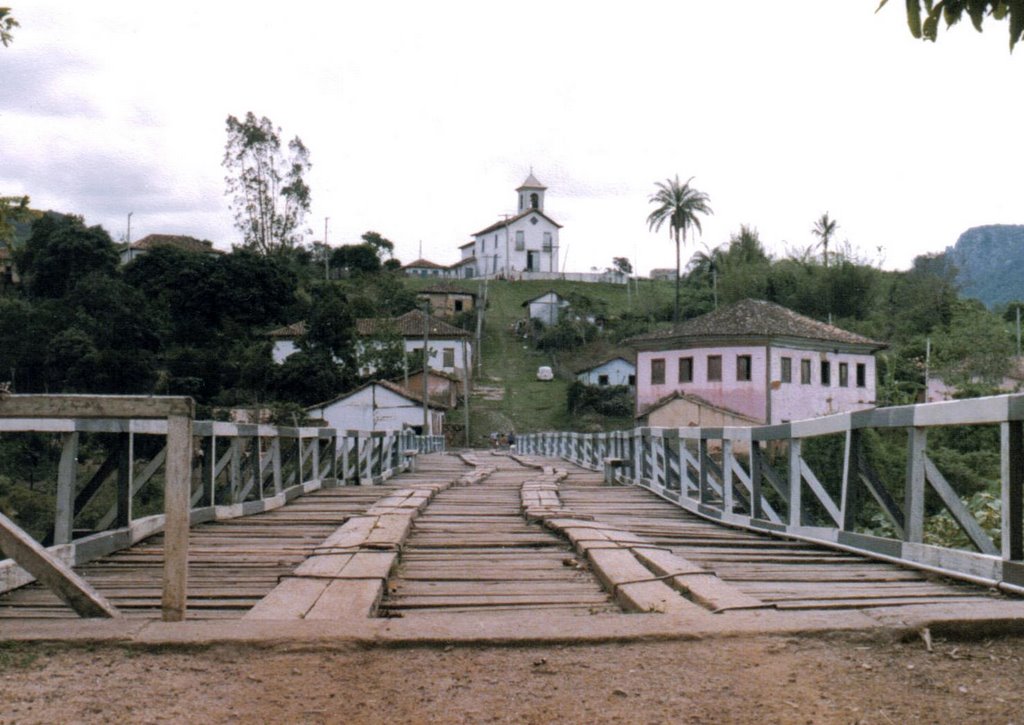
column 508, row 395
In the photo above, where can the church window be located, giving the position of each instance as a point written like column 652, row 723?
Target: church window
column 534, row 201
column 533, row 220
column 547, row 242
column 520, row 240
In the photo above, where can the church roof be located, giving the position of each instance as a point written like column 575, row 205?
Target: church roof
column 512, row 220
column 532, row 183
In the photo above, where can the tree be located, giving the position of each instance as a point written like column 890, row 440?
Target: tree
column 7, row 24
column 361, row 258
column 13, row 209
column 61, row 251
column 623, row 265
column 380, row 244
column 824, row 229
column 270, row 195
column 923, row 15
column 679, row 205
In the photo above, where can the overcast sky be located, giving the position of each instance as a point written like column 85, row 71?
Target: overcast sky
column 422, row 118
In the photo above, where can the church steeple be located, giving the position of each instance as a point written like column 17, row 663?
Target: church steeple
column 531, row 194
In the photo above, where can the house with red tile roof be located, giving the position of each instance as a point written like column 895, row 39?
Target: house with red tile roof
column 753, row 361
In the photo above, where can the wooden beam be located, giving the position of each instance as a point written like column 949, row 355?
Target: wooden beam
column 177, row 492
column 67, row 476
column 1012, row 475
column 53, row 573
column 913, row 494
column 94, row 406
column 960, row 513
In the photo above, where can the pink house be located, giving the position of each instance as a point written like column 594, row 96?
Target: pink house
column 758, row 361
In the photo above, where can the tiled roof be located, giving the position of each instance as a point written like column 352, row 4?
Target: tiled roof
column 178, row 241
column 467, row 244
column 505, row 222
column 462, row 262
column 289, row 332
column 531, row 183
column 393, row 387
column 424, row 263
column 696, row 400
column 757, row 318
column 408, row 325
column 445, row 289
column 559, row 300
column 605, row 362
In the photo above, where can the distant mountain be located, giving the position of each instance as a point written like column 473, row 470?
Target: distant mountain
column 990, row 260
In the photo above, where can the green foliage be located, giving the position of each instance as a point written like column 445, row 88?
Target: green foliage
column 923, row 16
column 12, row 209
column 566, row 334
column 60, row 252
column 356, row 259
column 975, row 348
column 824, row 229
column 7, row 24
column 681, row 206
column 609, row 400
column 382, row 245
column 270, row 194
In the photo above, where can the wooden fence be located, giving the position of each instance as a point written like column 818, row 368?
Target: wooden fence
column 208, row 470
column 758, row 478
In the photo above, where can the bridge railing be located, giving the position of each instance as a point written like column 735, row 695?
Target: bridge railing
column 762, row 478
column 130, row 467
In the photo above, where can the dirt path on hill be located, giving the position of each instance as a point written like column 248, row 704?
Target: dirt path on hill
column 774, row 680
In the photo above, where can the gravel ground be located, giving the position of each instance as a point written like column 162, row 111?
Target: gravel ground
column 752, row 679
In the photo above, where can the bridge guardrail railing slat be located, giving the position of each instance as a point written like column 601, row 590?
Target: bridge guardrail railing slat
column 732, row 475
column 209, row 470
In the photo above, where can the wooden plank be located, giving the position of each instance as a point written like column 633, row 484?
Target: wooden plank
column 59, row 578
column 349, row 598
column 291, row 599
column 94, row 406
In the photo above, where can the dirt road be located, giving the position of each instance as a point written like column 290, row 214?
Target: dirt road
column 762, row 679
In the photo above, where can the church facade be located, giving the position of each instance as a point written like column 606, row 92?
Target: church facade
column 521, row 245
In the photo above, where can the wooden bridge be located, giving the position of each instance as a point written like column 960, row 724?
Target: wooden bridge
column 591, row 536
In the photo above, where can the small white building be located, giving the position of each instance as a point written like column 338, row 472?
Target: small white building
column 524, row 243
column 180, row 242
column 546, row 307
column 425, row 268
column 617, row 371
column 449, row 345
column 379, row 406
column 450, row 349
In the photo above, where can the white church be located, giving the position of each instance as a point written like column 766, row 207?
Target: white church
column 523, row 246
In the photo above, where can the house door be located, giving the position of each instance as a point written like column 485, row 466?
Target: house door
column 532, row 261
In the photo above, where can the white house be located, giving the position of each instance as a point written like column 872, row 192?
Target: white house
column 175, row 241
column 617, row 371
column 379, row 406
column 450, row 349
column 449, row 346
column 546, row 307
column 425, row 268
column 525, row 242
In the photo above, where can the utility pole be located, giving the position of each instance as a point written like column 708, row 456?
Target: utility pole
column 465, row 388
column 426, row 368
column 129, row 237
column 327, row 252
column 1018, row 331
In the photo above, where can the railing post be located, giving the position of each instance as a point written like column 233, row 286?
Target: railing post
column 850, row 503
column 177, row 495
column 209, row 482
column 795, row 480
column 275, row 460
column 67, row 474
column 125, row 458
column 703, row 490
column 1012, row 474
column 913, row 506
column 727, row 479
column 756, row 497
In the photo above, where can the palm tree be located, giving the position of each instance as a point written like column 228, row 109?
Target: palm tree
column 679, row 205
column 823, row 229
column 706, row 263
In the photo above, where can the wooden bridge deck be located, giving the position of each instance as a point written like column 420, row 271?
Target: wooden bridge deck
column 472, row 550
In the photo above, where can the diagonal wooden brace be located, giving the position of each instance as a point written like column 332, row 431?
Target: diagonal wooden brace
column 58, row 577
